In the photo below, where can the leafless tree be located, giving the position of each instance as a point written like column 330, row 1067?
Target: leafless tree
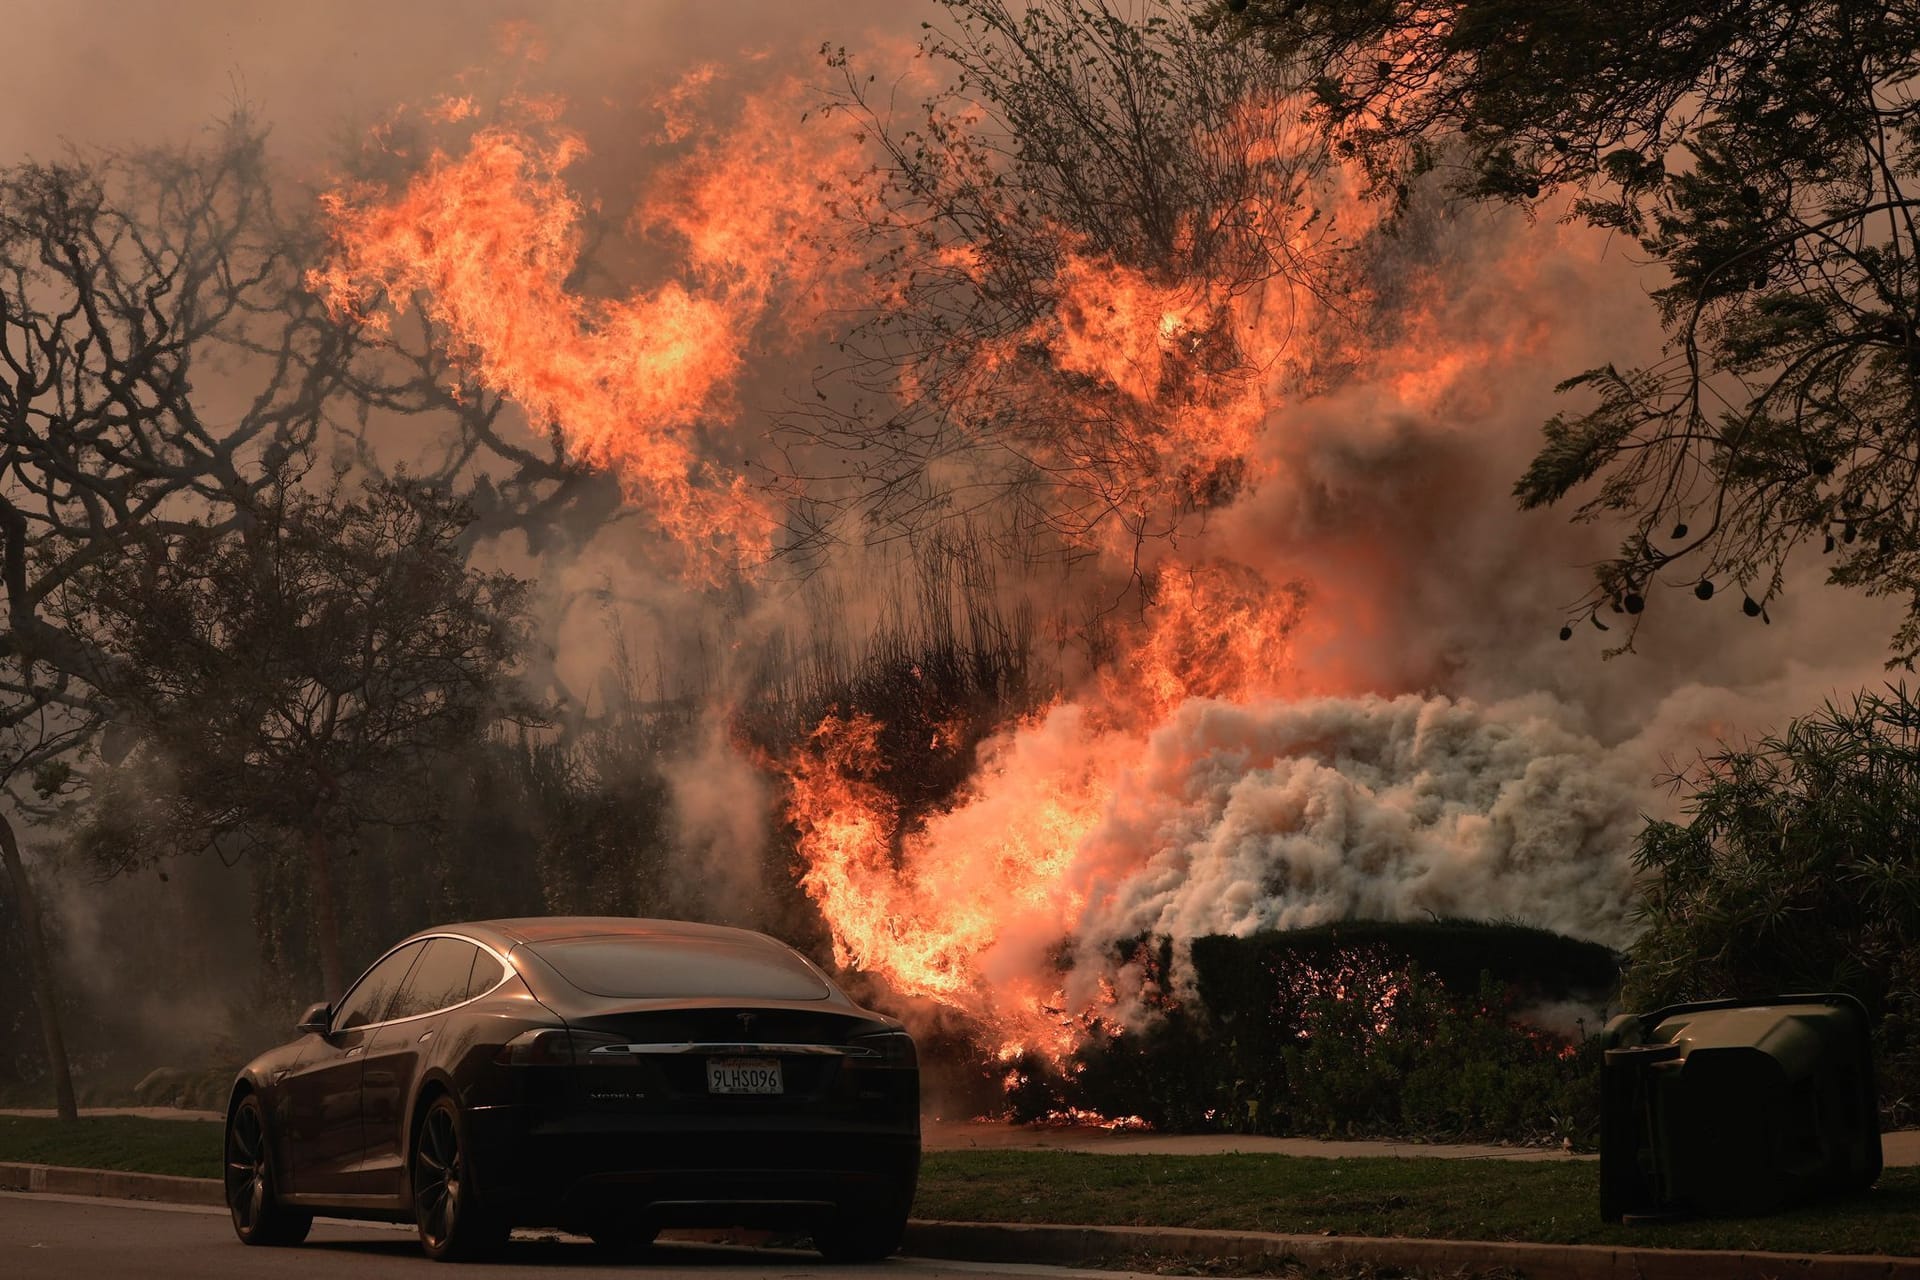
column 160, row 363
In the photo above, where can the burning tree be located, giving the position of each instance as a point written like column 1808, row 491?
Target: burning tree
column 1764, row 155
column 482, row 251
column 1073, row 237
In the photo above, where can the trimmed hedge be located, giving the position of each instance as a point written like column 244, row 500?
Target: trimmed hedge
column 1357, row 1029
column 1234, row 973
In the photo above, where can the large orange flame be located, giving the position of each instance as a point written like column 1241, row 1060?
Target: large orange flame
column 487, row 244
column 920, row 910
column 966, row 909
column 1165, row 397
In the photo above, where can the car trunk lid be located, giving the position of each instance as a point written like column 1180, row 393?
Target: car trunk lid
column 717, row 1056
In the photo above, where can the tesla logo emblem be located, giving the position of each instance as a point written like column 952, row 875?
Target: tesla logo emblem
column 746, row 1022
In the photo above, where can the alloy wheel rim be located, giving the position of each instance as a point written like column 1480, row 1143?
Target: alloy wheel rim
column 246, row 1167
column 436, row 1177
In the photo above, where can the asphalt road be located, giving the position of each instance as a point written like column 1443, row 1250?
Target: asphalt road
column 45, row 1237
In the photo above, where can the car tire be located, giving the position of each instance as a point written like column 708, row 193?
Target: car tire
column 864, row 1235
column 253, row 1201
column 453, row 1221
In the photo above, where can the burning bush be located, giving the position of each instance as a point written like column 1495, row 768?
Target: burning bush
column 1351, row 1029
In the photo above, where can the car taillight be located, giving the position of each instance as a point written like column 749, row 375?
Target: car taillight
column 541, row 1047
column 895, row 1048
column 553, row 1047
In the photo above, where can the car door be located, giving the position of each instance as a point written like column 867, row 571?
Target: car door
column 322, row 1092
column 397, row 1050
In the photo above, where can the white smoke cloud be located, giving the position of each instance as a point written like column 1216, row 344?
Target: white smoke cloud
column 1235, row 818
column 722, row 810
column 1286, row 814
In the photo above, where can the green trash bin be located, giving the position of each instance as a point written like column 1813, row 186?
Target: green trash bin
column 1736, row 1107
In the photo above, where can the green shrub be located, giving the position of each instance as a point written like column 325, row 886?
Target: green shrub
column 1798, row 869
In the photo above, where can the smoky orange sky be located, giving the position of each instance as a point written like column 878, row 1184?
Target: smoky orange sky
column 1420, row 742
column 114, row 75
column 110, row 73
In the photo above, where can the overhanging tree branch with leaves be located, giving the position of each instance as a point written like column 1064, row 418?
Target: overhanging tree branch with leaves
column 1764, row 155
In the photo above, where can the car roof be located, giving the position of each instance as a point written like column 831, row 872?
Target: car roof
column 506, row 934
column 531, row 932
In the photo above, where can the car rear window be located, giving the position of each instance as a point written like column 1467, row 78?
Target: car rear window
column 682, row 968
column 485, row 976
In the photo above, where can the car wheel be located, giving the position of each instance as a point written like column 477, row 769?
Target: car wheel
column 454, row 1224
column 860, row 1235
column 258, row 1215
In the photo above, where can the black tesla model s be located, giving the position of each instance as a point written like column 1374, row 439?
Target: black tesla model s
column 608, row 1076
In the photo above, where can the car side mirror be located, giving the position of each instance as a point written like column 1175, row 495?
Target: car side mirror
column 315, row 1018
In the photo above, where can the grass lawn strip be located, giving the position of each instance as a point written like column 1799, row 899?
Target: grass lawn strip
column 1446, row 1199
column 185, row 1148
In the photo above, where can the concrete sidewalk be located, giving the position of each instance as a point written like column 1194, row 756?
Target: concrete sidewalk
column 1900, row 1149
column 970, row 1135
column 144, row 1113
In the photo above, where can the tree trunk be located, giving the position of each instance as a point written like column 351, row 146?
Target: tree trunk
column 42, row 965
column 326, row 919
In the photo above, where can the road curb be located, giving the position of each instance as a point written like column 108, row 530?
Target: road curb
column 112, row 1184
column 1080, row 1246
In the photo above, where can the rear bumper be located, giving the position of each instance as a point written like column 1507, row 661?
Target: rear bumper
column 541, row 1168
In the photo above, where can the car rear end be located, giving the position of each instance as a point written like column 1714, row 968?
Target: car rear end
column 774, row 1104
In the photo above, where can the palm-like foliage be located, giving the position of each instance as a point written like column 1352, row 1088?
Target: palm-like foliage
column 1797, row 868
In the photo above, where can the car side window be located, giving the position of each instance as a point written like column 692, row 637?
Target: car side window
column 368, row 1000
column 440, row 979
column 486, row 974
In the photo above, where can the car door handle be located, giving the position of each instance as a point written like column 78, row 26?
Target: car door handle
column 424, row 1037
column 355, row 1051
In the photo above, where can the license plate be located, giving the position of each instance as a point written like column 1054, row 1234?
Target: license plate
column 744, row 1075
